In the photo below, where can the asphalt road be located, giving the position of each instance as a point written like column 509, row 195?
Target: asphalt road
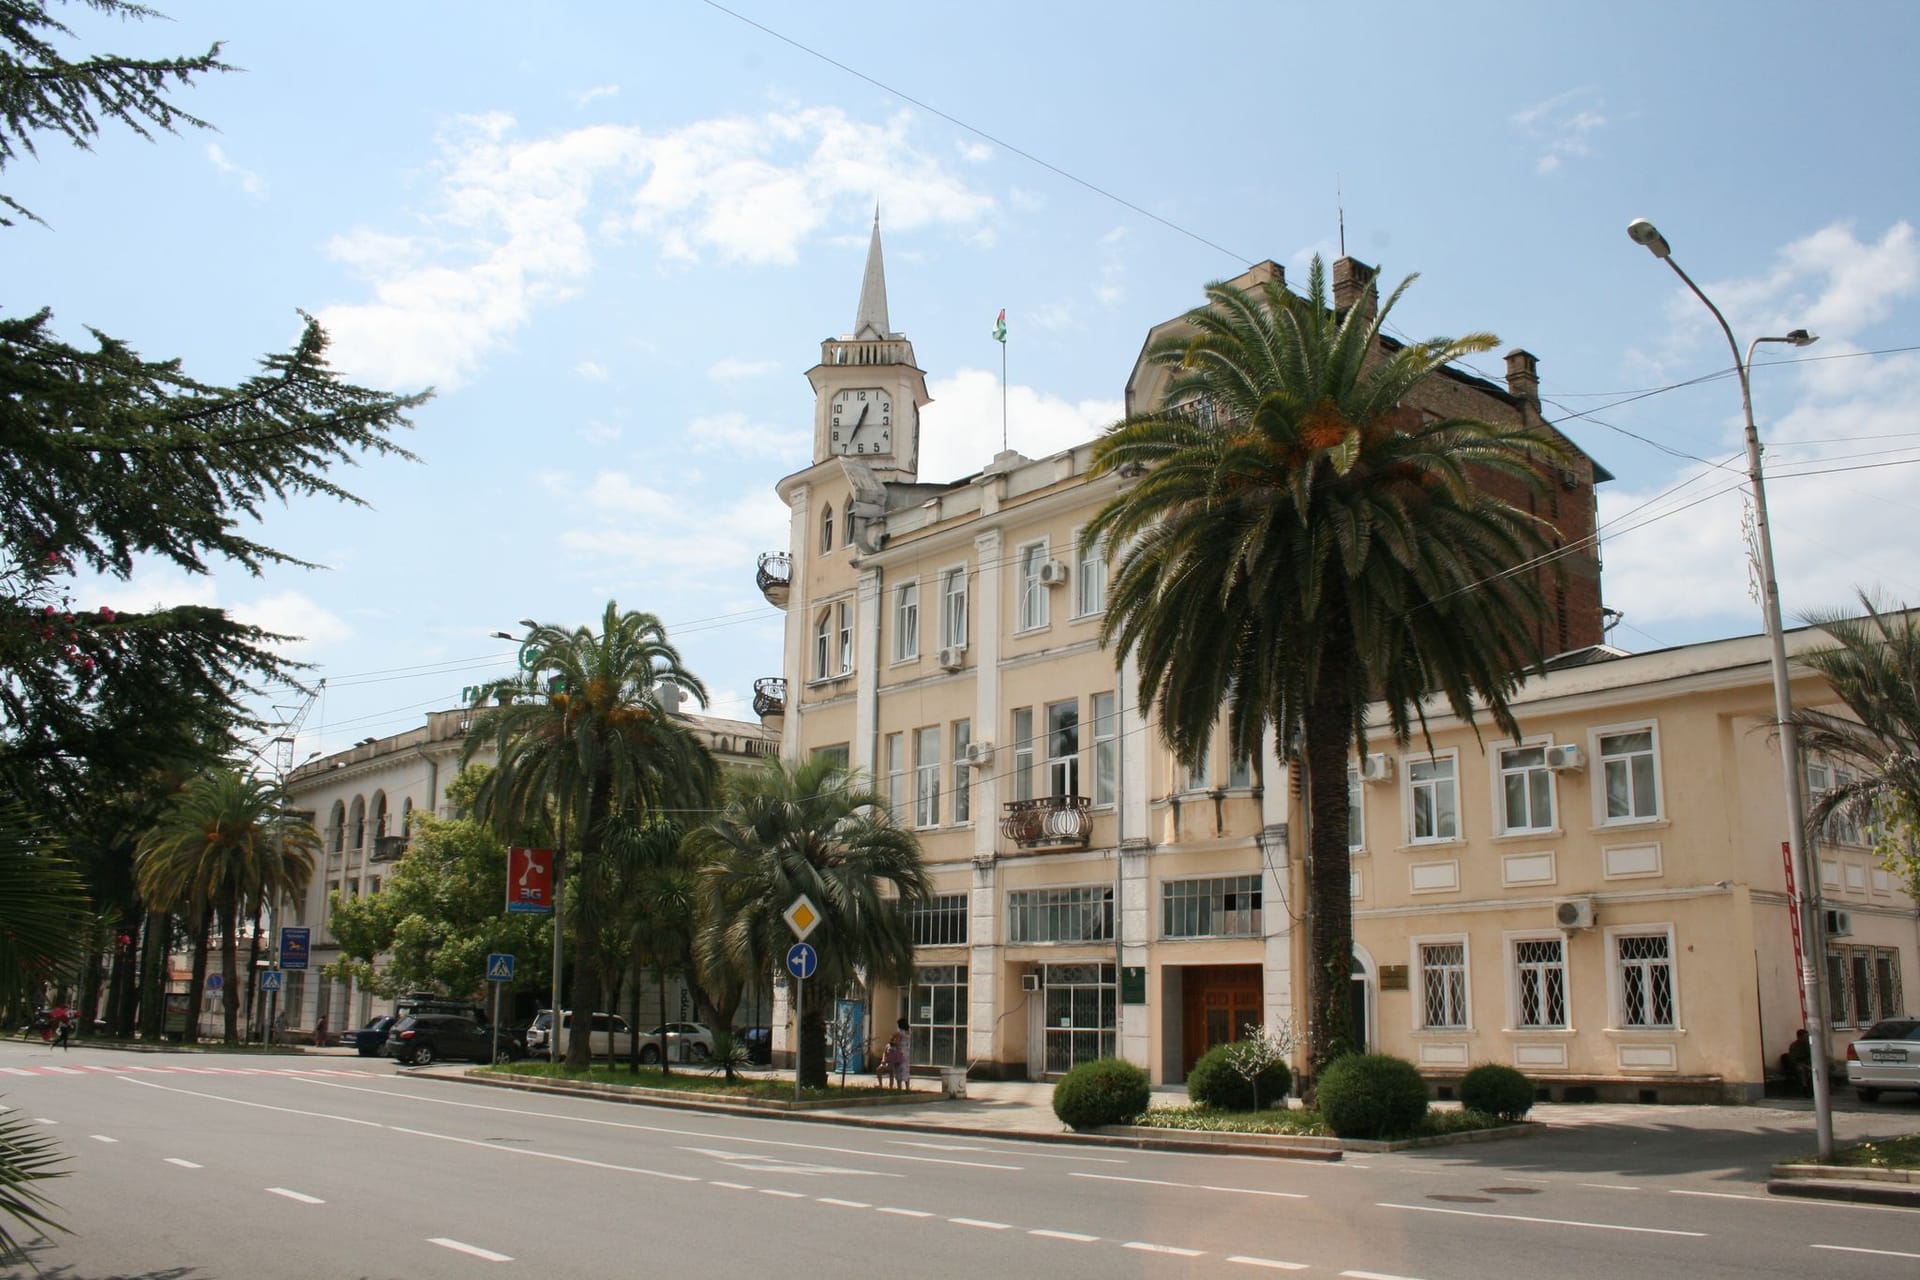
column 202, row 1167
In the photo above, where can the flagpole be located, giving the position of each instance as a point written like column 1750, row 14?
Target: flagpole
column 1003, row 395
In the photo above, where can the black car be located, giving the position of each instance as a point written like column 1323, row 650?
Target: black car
column 758, row 1042
column 423, row 1038
column 371, row 1039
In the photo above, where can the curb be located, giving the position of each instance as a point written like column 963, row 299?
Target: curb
column 1898, row 1194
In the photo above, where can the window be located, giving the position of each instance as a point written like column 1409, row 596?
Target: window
column 1627, row 771
column 1526, row 790
column 1032, row 613
column 1081, row 1008
column 1090, row 579
column 1845, row 823
column 1106, row 750
column 1443, row 985
column 953, row 608
column 1356, row 811
column 1540, row 982
column 1240, row 775
column 926, row 777
column 1198, row 773
column 1436, row 799
column 823, row 645
column 838, row 753
column 357, row 822
column 1023, row 754
column 337, row 827
column 897, row 774
column 826, row 528
column 962, row 771
column 1063, row 748
column 937, row 1015
column 1863, row 984
column 1645, row 977
column 844, row 611
column 1060, row 915
column 1221, row 907
column 906, row 621
column 941, row 921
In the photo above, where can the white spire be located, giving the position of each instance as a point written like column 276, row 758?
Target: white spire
column 871, row 322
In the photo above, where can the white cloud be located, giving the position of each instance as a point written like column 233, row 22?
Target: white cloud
column 287, row 613
column 960, row 430
column 250, row 182
column 591, row 370
column 680, row 541
column 598, row 432
column 1562, row 126
column 586, row 96
column 731, row 369
column 734, row 435
column 517, row 222
column 974, row 152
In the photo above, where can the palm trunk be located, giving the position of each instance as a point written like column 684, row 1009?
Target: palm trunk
column 666, row 1064
column 230, row 973
column 813, row 1037
column 197, row 929
column 1328, row 738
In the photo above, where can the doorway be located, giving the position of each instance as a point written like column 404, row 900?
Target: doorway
column 1220, row 1002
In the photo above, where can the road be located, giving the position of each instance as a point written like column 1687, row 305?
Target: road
column 204, row 1167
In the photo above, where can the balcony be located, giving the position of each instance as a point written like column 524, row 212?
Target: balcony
column 769, row 699
column 388, row 848
column 1050, row 822
column 774, row 576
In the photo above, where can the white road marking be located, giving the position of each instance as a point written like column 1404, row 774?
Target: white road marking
column 1270, row 1264
column 1191, row 1186
column 844, row 1204
column 1607, row 1186
column 184, row 1164
column 548, row 1155
column 295, row 1195
column 731, row 1186
column 101, row 1137
column 1372, row 1275
column 1878, row 1253
column 784, row 1195
column 904, row 1213
column 1717, row 1195
column 262, row 1106
column 935, row 1146
column 1074, row 1236
column 752, row 1163
column 471, row 1250
column 982, row 1223
column 18, row 1071
column 1550, row 1222
column 1175, row 1250
column 44, row 1120
column 64, row 1071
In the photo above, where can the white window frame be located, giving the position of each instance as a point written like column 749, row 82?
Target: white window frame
column 1089, row 576
column 1063, row 771
column 1412, row 785
column 962, row 731
column 1599, row 773
column 823, row 645
column 1515, row 1003
column 1031, row 608
column 1198, row 776
column 926, row 776
column 906, row 621
column 1356, row 811
column 1022, row 779
column 1547, row 780
column 895, row 746
column 844, row 617
column 1616, row 977
column 953, row 606
column 1417, row 953
column 826, row 529
column 1106, row 749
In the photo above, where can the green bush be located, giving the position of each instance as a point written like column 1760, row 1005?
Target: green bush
column 1371, row 1095
column 1497, row 1090
column 1105, row 1091
column 1214, row 1082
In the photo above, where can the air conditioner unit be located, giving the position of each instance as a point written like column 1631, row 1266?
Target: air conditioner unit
column 1839, row 923
column 1377, row 767
column 979, row 753
column 1573, row 913
column 1569, row 478
column 953, row 657
column 1053, row 574
column 1565, row 756
column 1030, row 981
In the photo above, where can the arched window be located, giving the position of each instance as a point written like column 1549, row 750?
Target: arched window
column 826, row 528
column 379, row 814
column 337, row 826
column 406, row 815
column 823, row 644
column 357, row 820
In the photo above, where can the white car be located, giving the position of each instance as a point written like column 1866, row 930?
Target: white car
column 610, row 1034
column 685, row 1042
column 1886, row 1056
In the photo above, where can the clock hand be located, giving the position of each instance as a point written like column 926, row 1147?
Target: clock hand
column 859, row 421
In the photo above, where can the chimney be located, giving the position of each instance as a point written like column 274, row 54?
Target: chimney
column 1523, row 376
column 1353, row 285
column 1261, row 274
column 669, row 696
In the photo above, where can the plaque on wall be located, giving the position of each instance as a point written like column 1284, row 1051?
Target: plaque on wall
column 1393, row 977
column 1133, row 984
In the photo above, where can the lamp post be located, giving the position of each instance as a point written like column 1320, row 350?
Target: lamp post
column 1644, row 233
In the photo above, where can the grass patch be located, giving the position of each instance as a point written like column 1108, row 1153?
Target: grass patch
column 693, row 1080
column 1887, row 1153
column 1304, row 1123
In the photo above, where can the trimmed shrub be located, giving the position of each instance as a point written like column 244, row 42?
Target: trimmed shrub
column 1105, row 1091
column 1371, row 1095
column 1497, row 1090
column 1214, row 1082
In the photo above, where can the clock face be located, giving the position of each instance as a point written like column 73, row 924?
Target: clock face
column 860, row 422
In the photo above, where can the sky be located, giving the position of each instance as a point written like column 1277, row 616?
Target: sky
column 611, row 237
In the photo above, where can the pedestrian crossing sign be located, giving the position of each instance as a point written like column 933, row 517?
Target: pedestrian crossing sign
column 270, row 980
column 499, row 967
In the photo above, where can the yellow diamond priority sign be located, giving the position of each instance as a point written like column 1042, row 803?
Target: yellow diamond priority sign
column 802, row 916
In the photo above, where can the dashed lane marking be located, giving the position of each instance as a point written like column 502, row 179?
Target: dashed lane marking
column 471, row 1250
column 903, row 1213
column 45, row 1120
column 101, row 1137
column 1271, row 1264
column 844, row 1204
column 184, row 1164
column 783, row 1194
column 1073, row 1236
column 1548, row 1222
column 300, row 1196
column 1716, row 1195
column 1878, row 1253
column 1173, row 1249
column 1192, row 1186
column 982, row 1223
column 730, row 1186
column 1373, row 1275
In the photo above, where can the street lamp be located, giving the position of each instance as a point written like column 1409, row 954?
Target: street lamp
column 1644, row 233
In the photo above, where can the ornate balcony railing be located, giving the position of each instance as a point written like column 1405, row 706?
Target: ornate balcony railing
column 769, row 697
column 774, row 576
column 388, row 848
column 1048, row 822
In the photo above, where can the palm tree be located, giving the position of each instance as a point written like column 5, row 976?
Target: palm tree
column 1298, row 545
column 584, row 740
column 811, row 828
column 223, row 849
column 1874, row 667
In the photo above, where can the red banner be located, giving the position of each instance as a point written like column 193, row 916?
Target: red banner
column 530, row 880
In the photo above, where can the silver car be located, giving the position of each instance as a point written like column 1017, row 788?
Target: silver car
column 1886, row 1057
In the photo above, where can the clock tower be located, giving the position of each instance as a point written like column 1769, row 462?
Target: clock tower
column 867, row 391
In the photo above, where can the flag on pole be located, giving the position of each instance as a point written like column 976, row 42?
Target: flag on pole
column 1000, row 327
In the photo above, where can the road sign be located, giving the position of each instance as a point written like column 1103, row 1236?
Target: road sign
column 530, row 880
column 215, row 982
column 801, row 917
column 499, row 967
column 293, row 946
column 802, row 960
column 270, row 980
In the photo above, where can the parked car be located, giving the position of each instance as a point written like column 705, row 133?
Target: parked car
column 758, row 1042
column 371, row 1039
column 427, row 1002
column 684, row 1041
column 1886, row 1057
column 609, row 1034
column 423, row 1038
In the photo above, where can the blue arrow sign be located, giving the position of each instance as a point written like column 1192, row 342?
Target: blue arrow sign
column 215, row 982
column 270, row 980
column 499, row 967
column 802, row 960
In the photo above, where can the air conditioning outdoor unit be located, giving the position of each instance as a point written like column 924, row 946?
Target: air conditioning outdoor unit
column 1565, row 756
column 979, row 753
column 1377, row 767
column 1839, row 923
column 1030, row 981
column 1573, row 913
column 1053, row 574
column 1569, row 478
column 953, row 657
